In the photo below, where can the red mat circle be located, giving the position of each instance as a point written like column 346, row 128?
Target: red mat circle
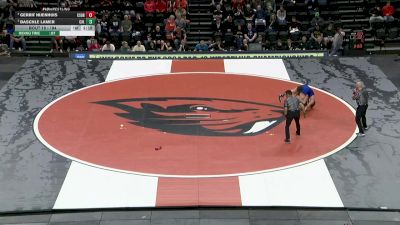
column 76, row 128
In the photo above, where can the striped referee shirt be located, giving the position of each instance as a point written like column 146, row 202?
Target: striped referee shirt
column 292, row 104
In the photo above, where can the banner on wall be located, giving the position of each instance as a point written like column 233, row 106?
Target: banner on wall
column 198, row 55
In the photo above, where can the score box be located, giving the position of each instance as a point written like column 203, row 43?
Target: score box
column 90, row 14
column 90, row 21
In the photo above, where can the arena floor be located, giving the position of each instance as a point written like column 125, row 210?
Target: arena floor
column 117, row 134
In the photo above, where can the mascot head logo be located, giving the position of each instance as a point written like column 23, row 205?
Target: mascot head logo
column 199, row 116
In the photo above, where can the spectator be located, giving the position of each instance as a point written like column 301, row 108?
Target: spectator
column 158, row 34
column 9, row 24
column 248, row 13
column 229, row 39
column 295, row 25
column 239, row 37
column 316, row 20
column 131, row 13
column 216, row 46
column 70, row 43
column 180, row 4
column 218, row 13
column 375, row 13
column 4, row 50
column 108, row 47
column 79, row 44
column 183, row 46
column 337, row 41
column 161, row 6
column 214, row 4
column 388, row 12
column 126, row 24
column 180, row 22
column 115, row 24
column 151, row 47
column 217, row 28
column 260, row 17
column 94, row 45
column 179, row 36
column 98, row 27
column 138, row 24
column 166, row 46
column 127, row 4
column 281, row 15
column 117, row 6
column 228, row 24
column 273, row 24
column 280, row 46
column 104, row 26
column 318, row 44
column 255, row 3
column 86, row 5
column 251, row 34
column 89, row 41
column 72, row 3
column 202, row 46
column 245, row 45
column 138, row 47
column 148, row 40
column 304, row 44
column 17, row 40
column 316, row 32
column 181, row 12
column 270, row 5
column 238, row 16
column 106, row 4
column 26, row 4
column 125, row 47
column 329, row 34
column 57, row 44
column 12, row 3
column 2, row 16
column 149, row 6
column 290, row 45
column 312, row 5
column 238, row 3
column 170, row 6
column 170, row 26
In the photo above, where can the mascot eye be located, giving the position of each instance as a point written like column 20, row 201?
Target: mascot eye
column 200, row 108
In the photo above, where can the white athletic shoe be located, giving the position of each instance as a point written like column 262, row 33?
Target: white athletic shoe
column 360, row 134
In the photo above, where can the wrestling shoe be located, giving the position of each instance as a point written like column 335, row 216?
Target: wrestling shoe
column 280, row 97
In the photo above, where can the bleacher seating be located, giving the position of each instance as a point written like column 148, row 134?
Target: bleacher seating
column 351, row 15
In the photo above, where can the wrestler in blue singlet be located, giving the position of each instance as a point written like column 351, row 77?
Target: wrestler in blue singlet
column 305, row 89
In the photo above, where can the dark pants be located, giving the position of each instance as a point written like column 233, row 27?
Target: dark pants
column 360, row 117
column 289, row 118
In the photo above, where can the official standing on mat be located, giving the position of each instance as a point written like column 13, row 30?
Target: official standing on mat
column 361, row 96
column 291, row 111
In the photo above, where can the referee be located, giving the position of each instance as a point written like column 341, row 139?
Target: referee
column 361, row 96
column 291, row 111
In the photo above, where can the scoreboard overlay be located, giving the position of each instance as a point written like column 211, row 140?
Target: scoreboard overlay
column 55, row 23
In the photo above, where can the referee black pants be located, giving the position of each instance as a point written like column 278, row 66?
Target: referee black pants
column 289, row 118
column 361, row 120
